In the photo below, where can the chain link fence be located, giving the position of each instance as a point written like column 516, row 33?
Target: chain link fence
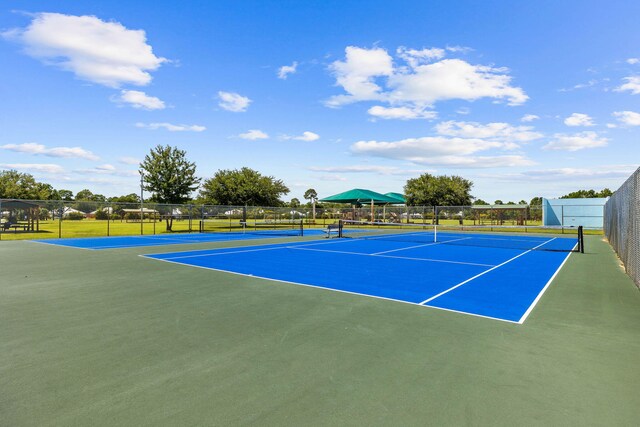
column 622, row 224
column 40, row 219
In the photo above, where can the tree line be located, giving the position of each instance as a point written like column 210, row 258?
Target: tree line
column 171, row 178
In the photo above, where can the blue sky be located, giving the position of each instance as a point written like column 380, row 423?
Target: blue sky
column 522, row 98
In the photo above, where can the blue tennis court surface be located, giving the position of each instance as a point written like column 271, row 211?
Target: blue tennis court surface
column 486, row 280
column 117, row 242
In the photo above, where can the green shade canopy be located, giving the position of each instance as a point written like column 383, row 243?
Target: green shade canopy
column 399, row 197
column 17, row 204
column 360, row 196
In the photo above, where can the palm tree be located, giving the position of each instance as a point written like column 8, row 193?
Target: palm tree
column 312, row 195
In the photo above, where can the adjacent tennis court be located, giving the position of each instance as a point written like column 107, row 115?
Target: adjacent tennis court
column 119, row 242
column 495, row 276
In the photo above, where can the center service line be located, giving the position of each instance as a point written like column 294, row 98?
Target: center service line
column 483, row 273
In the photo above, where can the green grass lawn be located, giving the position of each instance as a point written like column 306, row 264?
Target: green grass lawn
column 53, row 229
column 110, row 338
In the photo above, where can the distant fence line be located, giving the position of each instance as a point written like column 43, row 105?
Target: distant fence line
column 58, row 218
column 622, row 224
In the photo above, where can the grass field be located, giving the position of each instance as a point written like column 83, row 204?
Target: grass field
column 53, row 229
column 111, row 338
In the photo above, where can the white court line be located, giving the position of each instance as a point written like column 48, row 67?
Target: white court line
column 222, row 253
column 535, row 301
column 303, row 243
column 327, row 289
column 483, row 273
column 420, row 246
column 59, row 245
column 303, row 248
column 391, row 256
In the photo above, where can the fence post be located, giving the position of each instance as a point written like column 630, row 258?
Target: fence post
column 60, row 213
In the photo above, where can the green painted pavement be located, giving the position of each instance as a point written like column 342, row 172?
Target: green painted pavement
column 110, row 338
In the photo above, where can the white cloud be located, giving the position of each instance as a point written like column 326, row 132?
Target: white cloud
column 285, row 70
column 440, row 150
column 402, row 113
column 233, row 102
column 579, row 119
column 171, row 127
column 107, row 169
column 590, row 83
column 633, row 61
column 332, row 177
column 370, row 75
column 356, row 75
column 632, row 85
column 379, row 170
column 415, row 57
column 576, row 142
column 253, row 135
column 67, row 152
column 503, row 132
column 306, row 136
column 454, row 79
column 570, row 174
column 30, row 167
column 129, row 160
column 459, row 49
column 628, row 118
column 102, row 52
column 529, row 118
column 138, row 99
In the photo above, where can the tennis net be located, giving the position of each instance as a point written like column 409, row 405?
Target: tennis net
column 508, row 237
column 266, row 228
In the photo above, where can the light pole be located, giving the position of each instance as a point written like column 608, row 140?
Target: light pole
column 141, row 202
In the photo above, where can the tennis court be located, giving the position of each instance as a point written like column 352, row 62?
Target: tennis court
column 119, row 242
column 106, row 337
column 495, row 276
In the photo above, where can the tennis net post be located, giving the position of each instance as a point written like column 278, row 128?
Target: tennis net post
column 581, row 239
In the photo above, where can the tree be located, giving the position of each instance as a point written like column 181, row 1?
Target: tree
column 66, row 195
column 84, row 194
column 606, row 193
column 169, row 176
column 443, row 190
column 129, row 198
column 498, row 202
column 480, row 202
column 244, row 187
column 16, row 185
column 535, row 209
column 44, row 191
column 588, row 194
column 312, row 196
column 294, row 203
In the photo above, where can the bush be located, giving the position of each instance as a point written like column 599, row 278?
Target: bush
column 75, row 216
column 100, row 214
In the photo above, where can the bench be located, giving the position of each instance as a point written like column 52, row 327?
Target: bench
column 7, row 225
column 16, row 226
column 332, row 229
